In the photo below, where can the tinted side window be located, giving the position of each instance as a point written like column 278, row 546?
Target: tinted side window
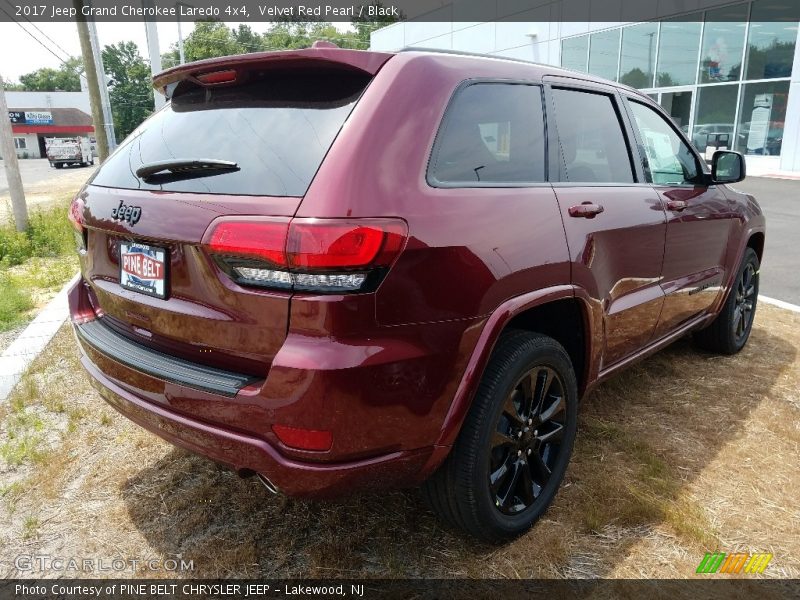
column 593, row 146
column 668, row 159
column 492, row 133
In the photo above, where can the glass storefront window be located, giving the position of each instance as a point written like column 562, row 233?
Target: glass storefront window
column 761, row 116
column 723, row 41
column 770, row 43
column 714, row 118
column 679, row 107
column 604, row 54
column 637, row 64
column 575, row 52
column 678, row 47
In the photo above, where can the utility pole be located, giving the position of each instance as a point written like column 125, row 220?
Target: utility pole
column 151, row 29
column 180, row 39
column 11, row 164
column 90, row 68
column 108, row 118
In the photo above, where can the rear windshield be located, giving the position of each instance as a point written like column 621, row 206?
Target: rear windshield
column 277, row 127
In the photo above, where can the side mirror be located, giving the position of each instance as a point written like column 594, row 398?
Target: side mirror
column 727, row 167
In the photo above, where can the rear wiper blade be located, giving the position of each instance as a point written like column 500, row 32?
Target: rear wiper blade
column 190, row 167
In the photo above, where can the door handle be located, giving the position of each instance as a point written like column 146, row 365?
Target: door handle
column 677, row 205
column 586, row 210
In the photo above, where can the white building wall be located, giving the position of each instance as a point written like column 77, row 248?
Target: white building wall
column 79, row 100
column 31, row 149
column 535, row 34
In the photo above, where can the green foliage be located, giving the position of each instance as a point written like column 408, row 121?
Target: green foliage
column 129, row 89
column 66, row 78
column 49, row 234
column 213, row 38
column 15, row 246
column 14, row 303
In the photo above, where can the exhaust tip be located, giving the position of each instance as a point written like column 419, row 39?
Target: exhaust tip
column 271, row 487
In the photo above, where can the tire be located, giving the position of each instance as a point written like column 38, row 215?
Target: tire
column 58, row 165
column 500, row 439
column 729, row 332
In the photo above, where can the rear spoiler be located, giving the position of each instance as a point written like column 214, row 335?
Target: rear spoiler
column 319, row 55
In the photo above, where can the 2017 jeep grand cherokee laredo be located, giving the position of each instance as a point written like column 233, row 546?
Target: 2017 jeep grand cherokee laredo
column 341, row 269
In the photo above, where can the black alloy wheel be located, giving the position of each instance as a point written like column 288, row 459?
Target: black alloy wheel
column 527, row 440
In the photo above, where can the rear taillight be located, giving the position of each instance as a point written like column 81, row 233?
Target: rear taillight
column 322, row 255
column 75, row 216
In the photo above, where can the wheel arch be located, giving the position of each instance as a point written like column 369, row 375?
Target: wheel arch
column 563, row 305
column 756, row 242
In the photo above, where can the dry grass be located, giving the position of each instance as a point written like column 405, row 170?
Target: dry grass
column 683, row 453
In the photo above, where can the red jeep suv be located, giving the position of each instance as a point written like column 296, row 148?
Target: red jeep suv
column 341, row 270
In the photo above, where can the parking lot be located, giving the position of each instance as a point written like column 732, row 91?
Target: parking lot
column 43, row 184
column 780, row 200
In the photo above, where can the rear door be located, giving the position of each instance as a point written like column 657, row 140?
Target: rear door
column 614, row 221
column 698, row 217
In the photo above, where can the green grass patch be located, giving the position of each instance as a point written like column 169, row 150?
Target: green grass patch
column 49, row 234
column 30, row 527
column 15, row 302
column 34, row 262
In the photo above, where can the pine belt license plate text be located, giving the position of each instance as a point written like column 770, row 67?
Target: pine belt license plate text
column 143, row 268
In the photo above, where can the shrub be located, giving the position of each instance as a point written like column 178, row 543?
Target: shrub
column 15, row 247
column 13, row 303
column 49, row 234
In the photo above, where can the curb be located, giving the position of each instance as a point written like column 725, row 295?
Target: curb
column 780, row 303
column 19, row 355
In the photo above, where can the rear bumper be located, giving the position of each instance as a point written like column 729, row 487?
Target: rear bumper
column 244, row 452
column 313, row 383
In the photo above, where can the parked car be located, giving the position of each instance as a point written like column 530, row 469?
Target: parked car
column 344, row 270
column 706, row 134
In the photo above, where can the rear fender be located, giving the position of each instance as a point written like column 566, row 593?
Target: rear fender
column 495, row 325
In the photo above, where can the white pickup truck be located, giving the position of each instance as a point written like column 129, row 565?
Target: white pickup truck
column 69, row 151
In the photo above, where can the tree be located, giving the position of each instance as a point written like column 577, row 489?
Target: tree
column 66, row 78
column 130, row 89
column 213, row 38
column 365, row 26
column 210, row 39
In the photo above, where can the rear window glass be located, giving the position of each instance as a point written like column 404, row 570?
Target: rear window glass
column 277, row 127
column 493, row 133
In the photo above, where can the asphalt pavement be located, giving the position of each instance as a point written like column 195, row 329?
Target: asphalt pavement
column 780, row 201
column 36, row 171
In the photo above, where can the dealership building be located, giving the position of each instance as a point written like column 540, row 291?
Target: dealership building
column 727, row 72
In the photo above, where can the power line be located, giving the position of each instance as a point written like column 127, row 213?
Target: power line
column 42, row 32
column 38, row 41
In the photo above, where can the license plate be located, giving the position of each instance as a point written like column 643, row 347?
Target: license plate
column 143, row 268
